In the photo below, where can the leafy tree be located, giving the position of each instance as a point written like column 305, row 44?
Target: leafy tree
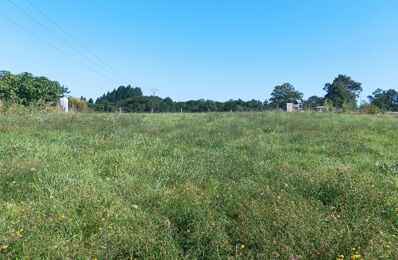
column 26, row 89
column 254, row 105
column 312, row 102
column 343, row 89
column 328, row 106
column 133, row 101
column 348, row 106
column 90, row 101
column 385, row 100
column 315, row 101
column 120, row 94
column 283, row 94
column 210, row 106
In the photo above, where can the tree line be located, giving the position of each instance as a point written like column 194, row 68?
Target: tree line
column 129, row 99
column 341, row 94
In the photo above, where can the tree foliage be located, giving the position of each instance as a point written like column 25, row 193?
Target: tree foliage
column 315, row 101
column 342, row 90
column 120, row 93
column 283, row 94
column 370, row 109
column 385, row 100
column 142, row 104
column 25, row 89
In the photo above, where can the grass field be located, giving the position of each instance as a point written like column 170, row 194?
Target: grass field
column 199, row 186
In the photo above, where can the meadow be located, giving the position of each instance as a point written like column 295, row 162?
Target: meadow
column 198, row 186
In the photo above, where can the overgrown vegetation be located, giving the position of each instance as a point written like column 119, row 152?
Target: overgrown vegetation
column 341, row 95
column 198, row 186
column 25, row 89
column 131, row 100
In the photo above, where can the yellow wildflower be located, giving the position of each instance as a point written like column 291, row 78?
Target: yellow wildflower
column 242, row 246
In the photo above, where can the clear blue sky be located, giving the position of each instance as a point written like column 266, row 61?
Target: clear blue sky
column 211, row 49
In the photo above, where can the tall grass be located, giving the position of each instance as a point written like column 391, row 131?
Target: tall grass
column 198, row 186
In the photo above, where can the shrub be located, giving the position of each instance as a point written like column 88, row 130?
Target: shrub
column 13, row 108
column 371, row 109
column 25, row 88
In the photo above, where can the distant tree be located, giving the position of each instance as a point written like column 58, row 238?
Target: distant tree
column 229, row 106
column 131, row 100
column 266, row 105
column 348, row 105
column 385, row 100
column 328, row 106
column 283, row 94
column 90, row 101
column 119, row 94
column 315, row 100
column 343, row 89
column 312, row 102
column 210, row 106
column 254, row 105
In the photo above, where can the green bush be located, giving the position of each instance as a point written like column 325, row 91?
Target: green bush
column 25, row 89
column 371, row 109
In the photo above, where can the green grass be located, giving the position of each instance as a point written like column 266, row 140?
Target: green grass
column 198, row 186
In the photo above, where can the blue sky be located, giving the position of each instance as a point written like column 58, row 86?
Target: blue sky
column 210, row 49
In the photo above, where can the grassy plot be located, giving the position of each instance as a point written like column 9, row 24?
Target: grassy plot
column 209, row 186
